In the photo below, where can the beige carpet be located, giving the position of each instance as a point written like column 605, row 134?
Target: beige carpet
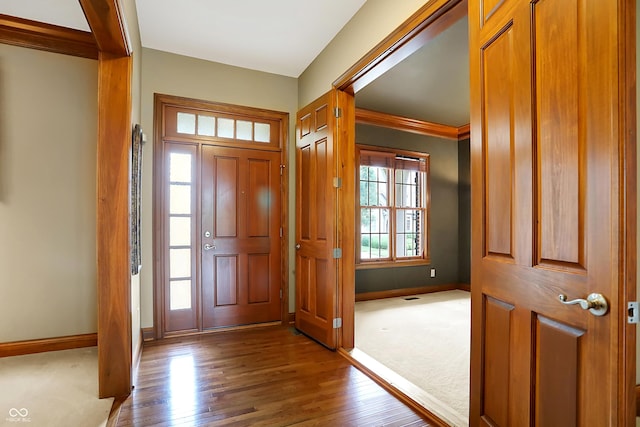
column 58, row 388
column 425, row 342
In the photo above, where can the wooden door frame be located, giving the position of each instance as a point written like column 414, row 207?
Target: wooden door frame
column 430, row 20
column 161, row 100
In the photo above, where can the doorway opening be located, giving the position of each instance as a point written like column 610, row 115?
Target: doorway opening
column 422, row 346
column 219, row 171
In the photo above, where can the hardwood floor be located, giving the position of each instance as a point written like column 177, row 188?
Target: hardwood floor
column 258, row 377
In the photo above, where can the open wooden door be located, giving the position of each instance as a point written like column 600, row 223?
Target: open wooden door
column 316, row 269
column 548, row 145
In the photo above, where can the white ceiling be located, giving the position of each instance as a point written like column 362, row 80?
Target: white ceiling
column 275, row 36
column 65, row 13
column 283, row 37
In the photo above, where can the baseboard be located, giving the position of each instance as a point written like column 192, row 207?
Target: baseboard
column 424, row 412
column 392, row 293
column 292, row 318
column 638, row 400
column 148, row 334
column 18, row 348
column 464, row 287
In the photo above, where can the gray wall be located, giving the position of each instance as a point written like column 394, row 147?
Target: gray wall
column 444, row 225
column 464, row 212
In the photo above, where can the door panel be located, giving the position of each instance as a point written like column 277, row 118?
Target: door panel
column 241, row 256
column 316, row 274
column 546, row 212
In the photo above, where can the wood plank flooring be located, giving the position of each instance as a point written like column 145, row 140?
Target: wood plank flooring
column 258, row 377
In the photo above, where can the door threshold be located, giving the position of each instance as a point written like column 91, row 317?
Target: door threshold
column 411, row 395
column 223, row 329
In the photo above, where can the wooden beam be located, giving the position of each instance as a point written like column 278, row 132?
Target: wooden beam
column 106, row 19
column 406, row 124
column 114, row 278
column 51, row 38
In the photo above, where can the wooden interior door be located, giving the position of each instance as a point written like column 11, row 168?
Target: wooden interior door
column 316, row 273
column 548, row 216
column 241, row 220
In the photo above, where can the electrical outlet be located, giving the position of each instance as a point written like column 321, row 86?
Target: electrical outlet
column 433, row 272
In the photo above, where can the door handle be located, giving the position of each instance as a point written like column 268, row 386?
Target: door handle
column 595, row 303
column 208, row 247
column 297, row 246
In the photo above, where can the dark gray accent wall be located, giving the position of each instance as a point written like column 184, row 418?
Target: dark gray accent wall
column 444, row 224
column 464, row 211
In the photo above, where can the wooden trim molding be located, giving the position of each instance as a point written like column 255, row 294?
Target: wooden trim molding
column 148, row 334
column 51, row 38
column 393, row 293
column 390, row 388
column 638, row 400
column 17, row 348
column 107, row 23
column 113, row 183
column 464, row 132
column 405, row 124
column 291, row 318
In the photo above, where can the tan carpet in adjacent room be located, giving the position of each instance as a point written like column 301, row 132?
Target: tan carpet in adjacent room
column 425, row 343
column 57, row 388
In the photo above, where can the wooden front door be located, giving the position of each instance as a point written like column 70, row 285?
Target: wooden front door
column 218, row 221
column 240, row 236
column 316, row 273
column 548, row 211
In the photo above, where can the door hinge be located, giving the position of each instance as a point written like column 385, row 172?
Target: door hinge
column 337, row 253
column 337, row 111
column 337, row 323
column 632, row 312
column 281, row 169
column 337, row 182
column 281, row 231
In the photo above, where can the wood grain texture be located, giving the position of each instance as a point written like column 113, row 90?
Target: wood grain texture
column 629, row 392
column 269, row 376
column 317, row 284
column 51, row 38
column 274, row 153
column 406, row 124
column 113, row 183
column 108, row 25
column 571, row 115
column 17, row 348
column 346, row 161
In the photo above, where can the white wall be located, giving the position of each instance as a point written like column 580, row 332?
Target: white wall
column 171, row 74
column 48, row 112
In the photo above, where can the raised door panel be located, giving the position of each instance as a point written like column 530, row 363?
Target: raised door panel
column 316, row 286
column 545, row 113
column 560, row 133
column 241, row 257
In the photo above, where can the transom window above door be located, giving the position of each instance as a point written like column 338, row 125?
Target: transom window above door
column 221, row 127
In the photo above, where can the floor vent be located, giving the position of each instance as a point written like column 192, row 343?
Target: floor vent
column 411, row 298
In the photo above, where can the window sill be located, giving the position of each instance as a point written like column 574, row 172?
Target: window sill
column 392, row 264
